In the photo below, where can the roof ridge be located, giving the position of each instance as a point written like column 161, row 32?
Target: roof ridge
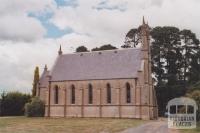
column 111, row 50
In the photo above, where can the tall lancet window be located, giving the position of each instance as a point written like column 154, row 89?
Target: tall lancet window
column 108, row 89
column 56, row 95
column 128, row 93
column 90, row 94
column 38, row 91
column 73, row 94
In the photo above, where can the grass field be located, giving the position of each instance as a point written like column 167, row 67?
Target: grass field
column 68, row 125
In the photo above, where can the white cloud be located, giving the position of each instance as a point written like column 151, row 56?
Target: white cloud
column 13, row 7
column 20, row 28
column 157, row 2
column 92, row 27
column 114, row 24
column 16, row 25
column 18, row 59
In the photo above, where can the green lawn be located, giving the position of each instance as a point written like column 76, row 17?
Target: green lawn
column 196, row 130
column 62, row 125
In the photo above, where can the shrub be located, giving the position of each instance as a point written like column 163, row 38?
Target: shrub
column 12, row 103
column 35, row 108
column 0, row 108
column 196, row 96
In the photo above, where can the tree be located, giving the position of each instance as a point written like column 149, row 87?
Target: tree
column 2, row 99
column 132, row 38
column 104, row 47
column 190, row 50
column 166, row 64
column 82, row 49
column 35, row 81
column 12, row 103
column 175, row 59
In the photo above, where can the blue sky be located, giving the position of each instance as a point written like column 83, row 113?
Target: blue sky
column 32, row 31
column 60, row 3
column 52, row 30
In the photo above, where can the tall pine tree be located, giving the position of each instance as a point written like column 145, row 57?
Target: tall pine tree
column 190, row 50
column 35, row 81
column 175, row 60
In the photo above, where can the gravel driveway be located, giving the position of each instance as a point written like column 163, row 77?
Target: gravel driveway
column 152, row 127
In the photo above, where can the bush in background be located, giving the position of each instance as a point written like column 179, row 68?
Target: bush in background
column 12, row 103
column 36, row 108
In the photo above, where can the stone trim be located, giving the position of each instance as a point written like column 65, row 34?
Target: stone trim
column 144, row 105
column 92, row 79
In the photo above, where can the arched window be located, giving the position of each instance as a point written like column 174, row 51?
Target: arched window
column 128, row 93
column 38, row 91
column 108, row 89
column 90, row 94
column 56, row 94
column 72, row 94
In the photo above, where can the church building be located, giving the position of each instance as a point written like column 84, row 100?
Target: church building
column 111, row 83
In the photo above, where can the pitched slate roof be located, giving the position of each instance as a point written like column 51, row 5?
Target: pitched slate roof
column 44, row 81
column 109, row 64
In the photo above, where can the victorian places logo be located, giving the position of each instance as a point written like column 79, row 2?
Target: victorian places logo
column 182, row 113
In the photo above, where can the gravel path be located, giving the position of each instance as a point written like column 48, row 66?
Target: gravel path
column 152, row 127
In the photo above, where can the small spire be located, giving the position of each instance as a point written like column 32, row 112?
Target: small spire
column 143, row 21
column 45, row 68
column 60, row 48
column 60, row 51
